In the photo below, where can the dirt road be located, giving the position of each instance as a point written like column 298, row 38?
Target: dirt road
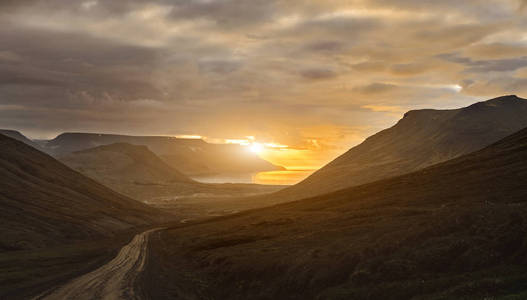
column 114, row 280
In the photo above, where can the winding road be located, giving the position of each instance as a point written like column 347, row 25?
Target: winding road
column 114, row 280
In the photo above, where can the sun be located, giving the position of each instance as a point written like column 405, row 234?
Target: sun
column 256, row 148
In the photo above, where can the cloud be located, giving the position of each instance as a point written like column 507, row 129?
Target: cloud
column 220, row 66
column 384, row 108
column 375, row 88
column 370, row 66
column 496, row 50
column 318, row 73
column 288, row 71
column 325, row 46
column 409, row 69
column 491, row 65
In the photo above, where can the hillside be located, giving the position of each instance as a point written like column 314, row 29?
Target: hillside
column 137, row 172
column 19, row 137
column 455, row 230
column 420, row 139
column 123, row 163
column 44, row 203
column 190, row 156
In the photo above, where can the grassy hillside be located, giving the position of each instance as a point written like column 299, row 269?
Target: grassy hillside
column 19, row 137
column 420, row 139
column 44, row 203
column 455, row 230
column 123, row 163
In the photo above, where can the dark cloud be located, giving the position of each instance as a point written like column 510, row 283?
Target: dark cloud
column 344, row 27
column 375, row 88
column 325, row 46
column 318, row 73
column 75, row 63
column 482, row 66
column 227, row 13
column 221, row 66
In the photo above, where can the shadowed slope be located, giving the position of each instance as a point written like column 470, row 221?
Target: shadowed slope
column 137, row 172
column 420, row 139
column 123, row 162
column 44, row 203
column 453, row 230
column 19, row 137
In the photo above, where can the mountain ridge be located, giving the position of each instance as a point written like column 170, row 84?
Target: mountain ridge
column 17, row 135
column 419, row 139
column 189, row 156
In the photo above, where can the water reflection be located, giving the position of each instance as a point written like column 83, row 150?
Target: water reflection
column 287, row 177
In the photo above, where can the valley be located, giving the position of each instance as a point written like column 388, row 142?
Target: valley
column 263, row 150
column 148, row 231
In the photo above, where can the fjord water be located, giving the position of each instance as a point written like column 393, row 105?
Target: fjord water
column 285, row 177
column 282, row 177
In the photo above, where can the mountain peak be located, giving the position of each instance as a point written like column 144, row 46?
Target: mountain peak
column 503, row 100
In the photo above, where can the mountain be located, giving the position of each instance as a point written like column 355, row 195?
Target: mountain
column 19, row 137
column 454, row 230
column 45, row 203
column 420, row 139
column 137, row 172
column 190, row 156
column 123, row 162
column 132, row 170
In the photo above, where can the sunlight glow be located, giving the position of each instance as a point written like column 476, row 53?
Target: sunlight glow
column 256, row 148
column 302, row 159
column 189, row 136
column 237, row 141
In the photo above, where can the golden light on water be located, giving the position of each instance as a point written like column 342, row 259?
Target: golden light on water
column 287, row 177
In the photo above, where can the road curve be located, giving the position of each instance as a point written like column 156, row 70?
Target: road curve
column 114, row 280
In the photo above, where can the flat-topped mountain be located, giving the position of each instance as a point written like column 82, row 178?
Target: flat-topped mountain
column 189, row 156
column 455, row 230
column 421, row 138
column 44, row 203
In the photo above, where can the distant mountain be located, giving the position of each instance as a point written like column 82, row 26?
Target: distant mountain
column 125, row 168
column 190, row 156
column 19, row 137
column 421, row 138
column 44, row 203
column 455, row 230
column 137, row 172
column 123, row 162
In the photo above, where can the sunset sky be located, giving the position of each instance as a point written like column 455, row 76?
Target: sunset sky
column 316, row 76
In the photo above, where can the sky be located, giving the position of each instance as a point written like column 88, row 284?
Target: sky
column 315, row 76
